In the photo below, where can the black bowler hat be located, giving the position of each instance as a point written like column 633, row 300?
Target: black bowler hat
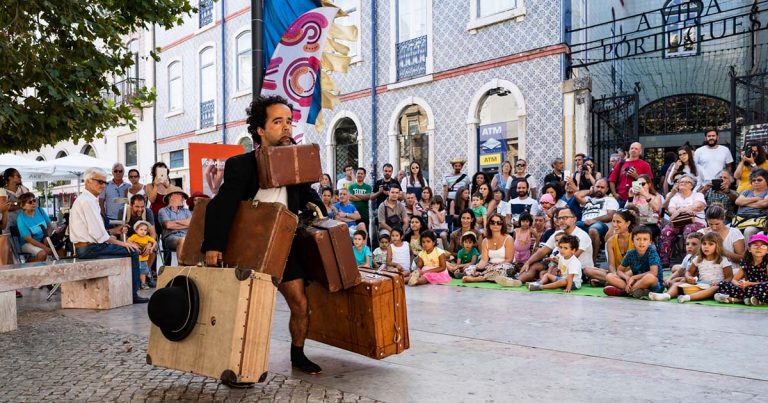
column 174, row 308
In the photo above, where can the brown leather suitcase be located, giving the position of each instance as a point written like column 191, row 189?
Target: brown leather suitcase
column 326, row 253
column 370, row 319
column 288, row 165
column 260, row 237
column 230, row 338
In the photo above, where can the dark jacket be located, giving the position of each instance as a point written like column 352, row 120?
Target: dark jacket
column 241, row 182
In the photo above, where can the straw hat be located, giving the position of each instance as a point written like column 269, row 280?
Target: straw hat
column 458, row 160
column 174, row 189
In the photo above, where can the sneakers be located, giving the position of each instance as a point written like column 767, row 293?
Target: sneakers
column 508, row 282
column 614, row 291
column 723, row 298
column 659, row 296
column 683, row 299
column 640, row 293
column 534, row 286
column 414, row 277
column 754, row 301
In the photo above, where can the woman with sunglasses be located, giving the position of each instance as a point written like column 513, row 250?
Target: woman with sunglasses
column 137, row 188
column 34, row 227
column 648, row 203
column 521, row 175
column 682, row 200
column 496, row 254
column 684, row 165
column 415, row 181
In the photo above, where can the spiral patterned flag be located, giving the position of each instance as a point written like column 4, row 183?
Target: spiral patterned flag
column 294, row 70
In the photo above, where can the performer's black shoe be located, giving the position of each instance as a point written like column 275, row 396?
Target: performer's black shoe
column 302, row 363
column 239, row 385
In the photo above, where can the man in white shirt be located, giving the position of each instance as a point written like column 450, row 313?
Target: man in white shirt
column 89, row 234
column 347, row 180
column 597, row 212
column 523, row 202
column 712, row 158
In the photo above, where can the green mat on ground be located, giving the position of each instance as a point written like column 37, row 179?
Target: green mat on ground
column 586, row 290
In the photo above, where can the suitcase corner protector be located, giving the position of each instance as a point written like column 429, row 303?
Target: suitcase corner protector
column 243, row 274
column 228, row 376
column 275, row 281
column 263, row 377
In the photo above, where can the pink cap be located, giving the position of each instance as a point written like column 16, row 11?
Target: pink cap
column 546, row 198
column 759, row 238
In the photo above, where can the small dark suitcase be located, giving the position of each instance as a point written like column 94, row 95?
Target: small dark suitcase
column 288, row 165
column 370, row 319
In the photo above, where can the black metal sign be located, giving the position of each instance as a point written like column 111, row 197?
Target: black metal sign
column 677, row 30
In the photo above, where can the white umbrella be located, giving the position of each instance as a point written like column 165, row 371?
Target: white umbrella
column 73, row 166
column 29, row 168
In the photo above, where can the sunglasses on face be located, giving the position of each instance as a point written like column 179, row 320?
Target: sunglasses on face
column 495, row 222
column 32, row 201
column 118, row 171
column 99, row 181
column 520, row 165
column 133, row 176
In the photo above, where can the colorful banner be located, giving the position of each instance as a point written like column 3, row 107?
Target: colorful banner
column 294, row 70
column 492, row 144
column 206, row 163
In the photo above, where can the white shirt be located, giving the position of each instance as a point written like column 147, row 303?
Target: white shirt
column 406, row 183
column 709, row 271
column 595, row 207
column 710, row 161
column 343, row 183
column 585, row 246
column 85, row 221
column 678, row 201
column 530, row 203
column 733, row 235
column 568, row 267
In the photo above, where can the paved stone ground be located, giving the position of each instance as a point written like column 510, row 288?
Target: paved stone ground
column 52, row 357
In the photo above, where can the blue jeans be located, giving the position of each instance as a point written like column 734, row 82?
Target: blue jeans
column 601, row 227
column 109, row 251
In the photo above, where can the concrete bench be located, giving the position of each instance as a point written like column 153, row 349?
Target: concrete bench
column 87, row 284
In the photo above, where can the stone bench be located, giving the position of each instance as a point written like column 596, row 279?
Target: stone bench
column 87, row 284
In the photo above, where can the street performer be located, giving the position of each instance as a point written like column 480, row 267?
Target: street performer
column 270, row 124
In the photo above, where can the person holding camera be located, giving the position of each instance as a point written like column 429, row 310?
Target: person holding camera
column 683, row 165
column 752, row 157
column 626, row 171
column 718, row 192
column 586, row 176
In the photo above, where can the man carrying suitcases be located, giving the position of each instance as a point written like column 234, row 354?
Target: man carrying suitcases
column 270, row 124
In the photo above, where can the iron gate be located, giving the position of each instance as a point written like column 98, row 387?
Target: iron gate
column 749, row 108
column 614, row 125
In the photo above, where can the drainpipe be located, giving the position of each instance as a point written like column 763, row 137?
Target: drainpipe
column 154, row 85
column 257, row 46
column 224, row 73
column 374, row 131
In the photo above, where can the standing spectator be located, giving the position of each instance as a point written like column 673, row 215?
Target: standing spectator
column 557, row 175
column 612, row 161
column 684, row 165
column 385, row 184
column 400, row 177
column 682, row 200
column 10, row 192
column 345, row 181
column 521, row 175
column 578, row 159
column 648, row 203
column 454, row 181
column 89, row 235
column 597, row 213
column 415, row 181
column 627, row 171
column 712, row 158
column 114, row 192
column 391, row 213
column 587, row 175
column 360, row 193
column 346, row 212
column 34, row 227
column 325, row 182
column 478, row 179
column 157, row 190
column 523, row 203
column 174, row 218
column 753, row 205
column 723, row 195
column 752, row 158
column 503, row 178
column 136, row 188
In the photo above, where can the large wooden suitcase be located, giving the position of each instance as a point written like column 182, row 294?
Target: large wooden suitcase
column 288, row 165
column 230, row 340
column 326, row 253
column 370, row 319
column 260, row 237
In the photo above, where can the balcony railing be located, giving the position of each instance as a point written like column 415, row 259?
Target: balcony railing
column 412, row 58
column 205, row 11
column 129, row 89
column 206, row 113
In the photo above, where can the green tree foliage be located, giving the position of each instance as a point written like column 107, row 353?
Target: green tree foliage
column 57, row 60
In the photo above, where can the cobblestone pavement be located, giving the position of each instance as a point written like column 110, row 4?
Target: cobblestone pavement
column 56, row 358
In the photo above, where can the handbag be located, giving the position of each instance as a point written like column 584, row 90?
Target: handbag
column 682, row 220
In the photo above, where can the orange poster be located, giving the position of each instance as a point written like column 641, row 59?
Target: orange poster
column 206, row 163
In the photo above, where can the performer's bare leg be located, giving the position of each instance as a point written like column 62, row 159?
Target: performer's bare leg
column 295, row 296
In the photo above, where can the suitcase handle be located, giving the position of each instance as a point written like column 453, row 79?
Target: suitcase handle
column 313, row 206
column 397, row 334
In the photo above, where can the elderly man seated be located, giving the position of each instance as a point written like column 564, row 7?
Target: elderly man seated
column 174, row 218
column 89, row 234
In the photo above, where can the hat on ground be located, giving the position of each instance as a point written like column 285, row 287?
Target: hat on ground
column 174, row 308
column 175, row 189
column 547, row 198
column 141, row 222
column 759, row 238
column 458, row 160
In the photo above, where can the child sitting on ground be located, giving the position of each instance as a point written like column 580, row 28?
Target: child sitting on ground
column 380, row 253
column 399, row 253
column 692, row 245
column 479, row 210
column 362, row 251
column 468, row 254
column 751, row 282
column 706, row 271
column 430, row 263
column 436, row 217
column 147, row 244
column 645, row 264
column 569, row 268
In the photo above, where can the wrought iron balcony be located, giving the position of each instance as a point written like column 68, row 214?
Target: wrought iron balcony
column 412, row 58
column 129, row 89
column 205, row 11
column 206, row 113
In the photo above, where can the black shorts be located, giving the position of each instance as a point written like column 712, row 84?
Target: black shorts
column 293, row 267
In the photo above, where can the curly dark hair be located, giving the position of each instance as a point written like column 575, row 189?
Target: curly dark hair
column 257, row 113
